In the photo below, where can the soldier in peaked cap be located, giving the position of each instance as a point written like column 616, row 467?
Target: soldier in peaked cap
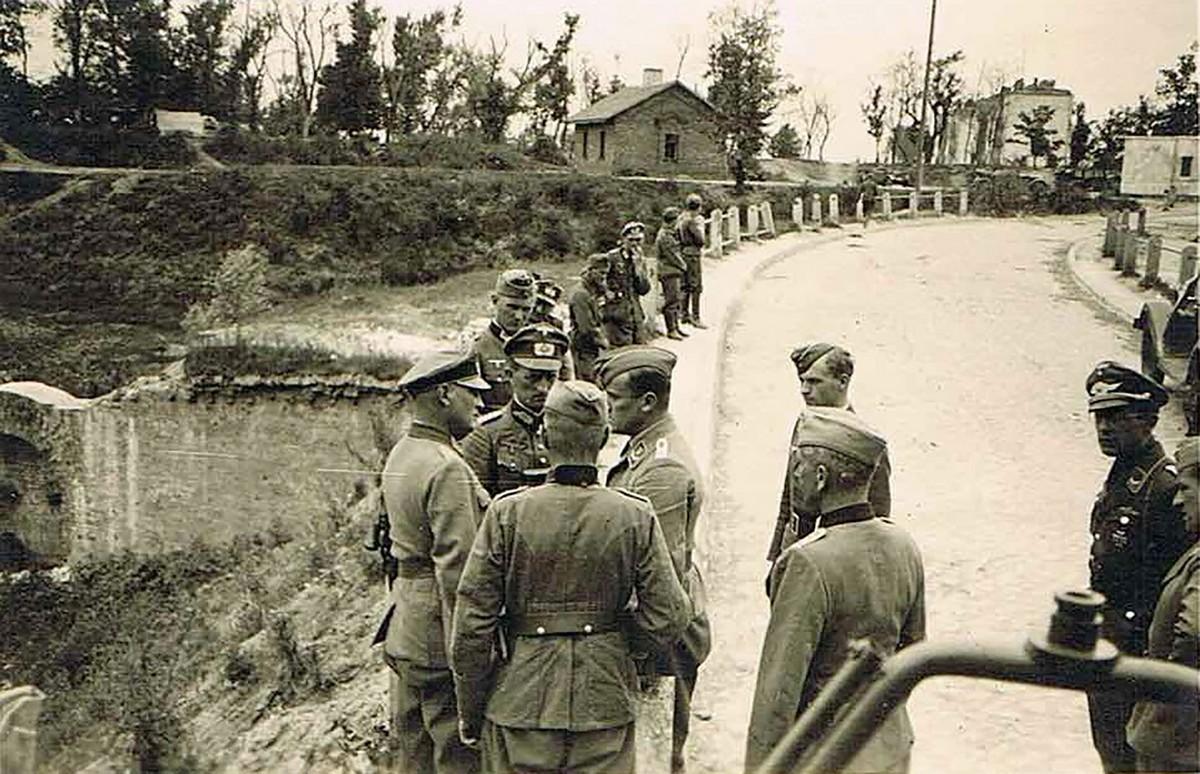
column 657, row 463
column 547, row 295
column 625, row 281
column 433, row 502
column 1137, row 532
column 824, row 371
column 512, row 302
column 508, row 448
column 855, row 577
column 562, row 560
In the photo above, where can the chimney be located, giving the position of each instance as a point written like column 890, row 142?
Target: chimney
column 652, row 76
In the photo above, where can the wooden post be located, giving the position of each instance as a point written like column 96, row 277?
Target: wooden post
column 816, row 210
column 1119, row 252
column 937, row 202
column 887, row 205
column 962, row 202
column 913, row 203
column 735, row 225
column 798, row 212
column 1125, row 218
column 1187, row 265
column 715, row 246
column 1110, row 235
column 858, row 210
column 835, row 213
column 1153, row 261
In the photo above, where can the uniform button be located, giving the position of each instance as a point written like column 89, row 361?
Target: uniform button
column 1095, row 536
column 542, row 460
column 1129, row 614
column 541, row 630
column 1124, row 519
column 587, row 628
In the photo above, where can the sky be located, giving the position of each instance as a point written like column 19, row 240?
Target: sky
column 1107, row 52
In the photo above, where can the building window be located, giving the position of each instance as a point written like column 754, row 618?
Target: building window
column 670, row 147
column 1185, row 166
column 602, row 138
column 585, row 134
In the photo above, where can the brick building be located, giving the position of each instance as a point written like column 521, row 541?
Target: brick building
column 660, row 129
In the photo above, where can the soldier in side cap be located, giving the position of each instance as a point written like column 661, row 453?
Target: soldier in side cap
column 587, row 335
column 434, row 503
column 671, row 269
column 824, row 371
column 857, row 576
column 547, row 296
column 508, row 448
column 1137, row 532
column 512, row 302
column 1167, row 736
column 625, row 281
column 657, row 463
column 561, row 560
column 691, row 240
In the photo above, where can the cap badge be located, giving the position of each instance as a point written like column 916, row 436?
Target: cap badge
column 543, row 349
column 1103, row 388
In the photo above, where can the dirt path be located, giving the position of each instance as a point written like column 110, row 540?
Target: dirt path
column 972, row 350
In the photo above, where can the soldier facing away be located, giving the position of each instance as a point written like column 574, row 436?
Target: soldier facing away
column 657, row 463
column 551, row 571
column 512, row 302
column 508, row 448
column 671, row 268
column 433, row 502
column 854, row 577
column 1137, row 533
column 691, row 240
column 824, row 371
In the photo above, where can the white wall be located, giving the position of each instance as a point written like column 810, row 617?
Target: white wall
column 1153, row 164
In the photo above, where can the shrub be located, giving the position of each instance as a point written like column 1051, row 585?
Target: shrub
column 236, row 291
column 100, row 146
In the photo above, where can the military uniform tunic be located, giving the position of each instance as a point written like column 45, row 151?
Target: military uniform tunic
column 494, row 366
column 625, row 281
column 691, row 241
column 856, row 577
column 1137, row 533
column 562, row 559
column 508, row 449
column 587, row 335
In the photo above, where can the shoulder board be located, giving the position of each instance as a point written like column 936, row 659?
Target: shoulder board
column 491, row 416
column 1171, row 468
column 631, row 494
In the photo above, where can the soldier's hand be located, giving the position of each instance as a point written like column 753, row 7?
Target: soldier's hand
column 469, row 738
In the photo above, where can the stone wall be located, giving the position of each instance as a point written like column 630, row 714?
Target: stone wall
column 155, row 468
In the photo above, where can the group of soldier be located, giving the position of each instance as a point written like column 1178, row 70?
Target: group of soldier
column 537, row 598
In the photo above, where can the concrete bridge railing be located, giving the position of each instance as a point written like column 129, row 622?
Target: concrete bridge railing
column 1135, row 253
column 828, row 210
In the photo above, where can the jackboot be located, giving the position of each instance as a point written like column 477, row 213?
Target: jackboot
column 695, row 298
column 685, row 314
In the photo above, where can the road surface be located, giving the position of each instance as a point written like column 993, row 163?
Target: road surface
column 972, row 347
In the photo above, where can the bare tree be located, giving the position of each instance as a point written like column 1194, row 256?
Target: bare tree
column 309, row 30
column 682, row 45
column 815, row 116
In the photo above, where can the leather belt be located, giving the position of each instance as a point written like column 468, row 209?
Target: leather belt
column 563, row 624
column 415, row 567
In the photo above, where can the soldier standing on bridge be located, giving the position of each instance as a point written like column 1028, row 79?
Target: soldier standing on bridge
column 508, row 448
column 1137, row 533
column 691, row 240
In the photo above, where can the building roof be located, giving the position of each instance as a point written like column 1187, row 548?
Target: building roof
column 629, row 97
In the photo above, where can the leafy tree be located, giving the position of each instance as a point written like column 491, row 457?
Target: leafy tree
column 73, row 33
column 747, row 85
column 553, row 92
column 419, row 48
column 248, row 66
column 785, row 143
column 1178, row 89
column 13, row 35
column 1037, row 133
column 134, row 63
column 615, row 84
column 351, row 97
column 203, row 64
column 593, row 91
column 1081, row 137
column 874, row 112
column 945, row 94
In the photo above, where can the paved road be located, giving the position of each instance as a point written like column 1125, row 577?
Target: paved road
column 972, row 350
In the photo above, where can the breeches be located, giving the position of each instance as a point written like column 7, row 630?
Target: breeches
column 511, row 750
column 693, row 277
column 425, row 721
column 672, row 291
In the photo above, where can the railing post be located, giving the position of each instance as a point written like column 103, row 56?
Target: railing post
column 816, row 210
column 937, row 202
column 1153, row 261
column 1187, row 265
column 1129, row 264
column 735, row 225
column 962, row 202
column 768, row 218
column 913, row 203
column 798, row 212
column 1141, row 221
column 715, row 238
column 1125, row 218
column 858, row 210
column 1110, row 235
column 834, row 209
column 1119, row 252
column 887, row 205
column 752, row 221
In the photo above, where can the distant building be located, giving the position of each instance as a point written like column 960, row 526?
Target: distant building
column 1152, row 166
column 983, row 131
column 184, row 122
column 660, row 129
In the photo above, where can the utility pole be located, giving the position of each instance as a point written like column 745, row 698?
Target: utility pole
column 925, row 104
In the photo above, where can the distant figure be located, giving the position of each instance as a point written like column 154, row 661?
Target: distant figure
column 671, row 269
column 585, row 305
column 1137, row 533
column 1165, row 735
column 691, row 240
